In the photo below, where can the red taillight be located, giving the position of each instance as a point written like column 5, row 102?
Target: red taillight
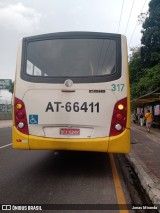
column 20, row 116
column 119, row 117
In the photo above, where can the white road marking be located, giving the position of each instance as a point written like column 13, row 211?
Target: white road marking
column 1, row 147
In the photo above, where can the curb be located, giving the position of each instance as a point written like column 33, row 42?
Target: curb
column 150, row 183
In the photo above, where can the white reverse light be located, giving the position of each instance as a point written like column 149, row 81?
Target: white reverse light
column 21, row 125
column 118, row 127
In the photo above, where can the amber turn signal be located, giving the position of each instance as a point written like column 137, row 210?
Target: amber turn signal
column 120, row 107
column 19, row 106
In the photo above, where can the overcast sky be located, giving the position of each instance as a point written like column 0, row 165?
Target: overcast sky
column 20, row 18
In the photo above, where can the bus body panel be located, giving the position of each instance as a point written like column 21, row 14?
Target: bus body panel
column 95, row 127
column 120, row 143
column 116, row 144
column 86, row 111
column 20, row 140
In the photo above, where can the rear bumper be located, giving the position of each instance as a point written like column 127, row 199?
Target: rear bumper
column 117, row 144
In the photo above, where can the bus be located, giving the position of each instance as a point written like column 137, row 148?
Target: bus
column 72, row 93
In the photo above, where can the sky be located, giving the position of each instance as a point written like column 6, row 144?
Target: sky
column 22, row 18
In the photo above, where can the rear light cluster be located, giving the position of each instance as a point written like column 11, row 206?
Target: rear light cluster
column 20, row 116
column 119, row 117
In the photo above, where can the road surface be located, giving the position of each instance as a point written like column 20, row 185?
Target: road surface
column 61, row 177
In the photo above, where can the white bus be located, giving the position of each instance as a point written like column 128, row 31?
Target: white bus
column 72, row 93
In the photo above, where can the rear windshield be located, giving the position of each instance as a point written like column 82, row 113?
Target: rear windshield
column 71, row 57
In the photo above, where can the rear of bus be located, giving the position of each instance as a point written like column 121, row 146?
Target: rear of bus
column 72, row 93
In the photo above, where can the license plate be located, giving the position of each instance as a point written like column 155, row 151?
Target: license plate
column 69, row 131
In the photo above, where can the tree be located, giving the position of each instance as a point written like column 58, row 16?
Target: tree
column 149, row 82
column 135, row 65
column 150, row 50
column 145, row 62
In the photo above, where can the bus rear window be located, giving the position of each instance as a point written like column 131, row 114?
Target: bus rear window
column 71, row 57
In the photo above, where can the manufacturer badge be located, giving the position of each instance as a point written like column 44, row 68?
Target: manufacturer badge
column 68, row 83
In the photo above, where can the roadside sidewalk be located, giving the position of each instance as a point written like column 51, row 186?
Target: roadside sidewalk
column 5, row 123
column 145, row 159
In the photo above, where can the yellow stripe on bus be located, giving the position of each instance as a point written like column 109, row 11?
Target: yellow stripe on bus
column 118, row 187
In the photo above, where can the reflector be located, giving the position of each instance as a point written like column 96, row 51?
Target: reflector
column 20, row 115
column 119, row 116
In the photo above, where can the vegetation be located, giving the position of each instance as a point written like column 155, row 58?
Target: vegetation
column 149, row 82
column 145, row 61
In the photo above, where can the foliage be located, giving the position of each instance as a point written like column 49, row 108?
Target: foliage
column 135, row 66
column 150, row 51
column 144, row 63
column 149, row 82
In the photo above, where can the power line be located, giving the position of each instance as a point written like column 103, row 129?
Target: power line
column 136, row 23
column 129, row 16
column 120, row 16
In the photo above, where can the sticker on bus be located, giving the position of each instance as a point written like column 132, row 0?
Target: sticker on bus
column 33, row 119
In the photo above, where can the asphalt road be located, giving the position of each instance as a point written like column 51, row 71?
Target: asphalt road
column 51, row 177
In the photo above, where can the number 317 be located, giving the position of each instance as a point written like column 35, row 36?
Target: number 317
column 117, row 87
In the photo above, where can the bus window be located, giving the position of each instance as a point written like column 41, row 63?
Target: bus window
column 73, row 57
